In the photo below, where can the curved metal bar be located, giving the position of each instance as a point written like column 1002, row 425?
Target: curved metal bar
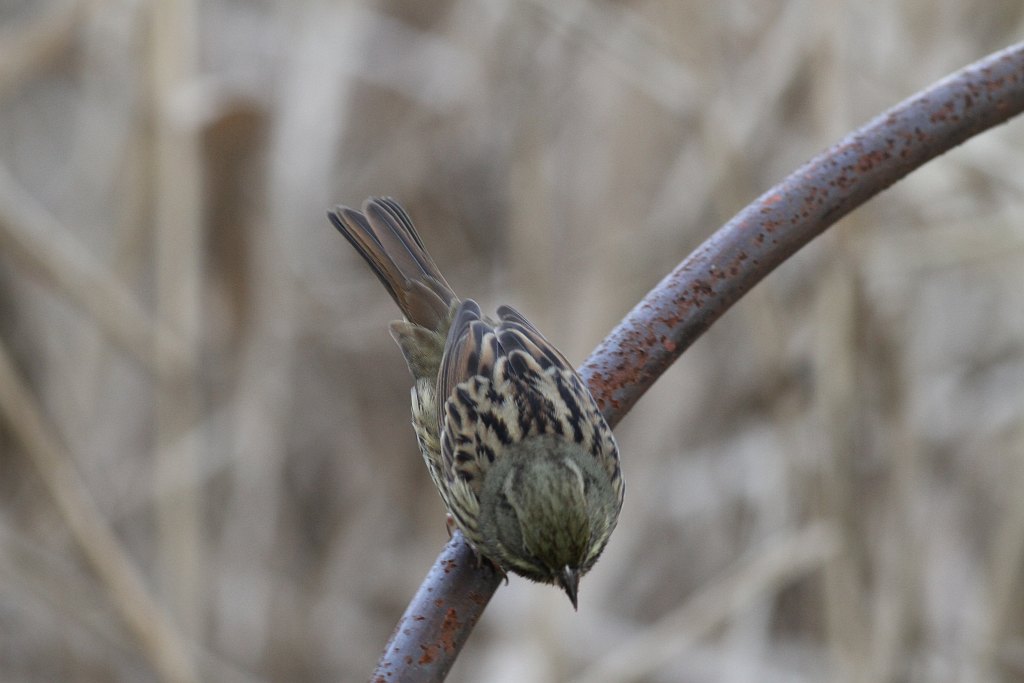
column 683, row 306
column 788, row 216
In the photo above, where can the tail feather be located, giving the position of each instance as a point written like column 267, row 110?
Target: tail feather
column 384, row 236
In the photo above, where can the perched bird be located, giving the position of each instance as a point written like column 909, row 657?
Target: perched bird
column 524, row 461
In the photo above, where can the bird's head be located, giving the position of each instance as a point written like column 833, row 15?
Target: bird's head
column 547, row 509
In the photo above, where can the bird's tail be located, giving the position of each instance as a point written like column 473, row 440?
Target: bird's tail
column 385, row 237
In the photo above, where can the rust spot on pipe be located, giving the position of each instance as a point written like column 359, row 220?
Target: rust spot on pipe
column 430, row 652
column 450, row 628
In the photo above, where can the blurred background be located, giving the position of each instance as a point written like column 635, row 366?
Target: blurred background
column 206, row 461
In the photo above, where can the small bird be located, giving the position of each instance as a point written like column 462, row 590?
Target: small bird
column 515, row 444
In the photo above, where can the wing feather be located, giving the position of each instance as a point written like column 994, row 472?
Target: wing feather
column 504, row 382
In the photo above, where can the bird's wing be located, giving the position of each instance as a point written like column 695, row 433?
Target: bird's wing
column 503, row 382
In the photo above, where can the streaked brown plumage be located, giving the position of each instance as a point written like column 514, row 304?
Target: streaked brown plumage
column 514, row 442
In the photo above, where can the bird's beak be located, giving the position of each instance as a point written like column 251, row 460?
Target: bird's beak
column 570, row 581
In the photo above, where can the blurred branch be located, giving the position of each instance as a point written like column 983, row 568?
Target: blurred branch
column 178, row 241
column 780, row 562
column 696, row 293
column 28, row 45
column 160, row 640
column 34, row 237
column 627, row 46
